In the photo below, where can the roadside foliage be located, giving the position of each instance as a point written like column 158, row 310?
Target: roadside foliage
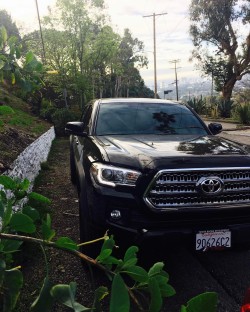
column 29, row 225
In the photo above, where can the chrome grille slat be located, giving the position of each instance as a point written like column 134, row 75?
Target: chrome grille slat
column 178, row 188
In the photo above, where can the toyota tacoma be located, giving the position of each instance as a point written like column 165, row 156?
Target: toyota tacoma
column 151, row 168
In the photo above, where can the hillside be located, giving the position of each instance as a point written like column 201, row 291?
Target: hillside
column 18, row 128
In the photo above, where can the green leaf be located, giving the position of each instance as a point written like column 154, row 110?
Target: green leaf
column 48, row 220
column 3, row 197
column 13, row 281
column 129, row 263
column 166, row 289
column 4, row 35
column 7, row 213
column 22, row 223
column 100, row 293
column 39, row 198
column 206, row 302
column 131, row 253
column 29, row 57
column 12, row 40
column 67, row 243
column 130, row 258
column 13, row 78
column 39, row 67
column 105, row 253
column 20, row 194
column 110, row 260
column 108, row 243
column 18, row 53
column 24, row 185
column 31, row 212
column 10, row 245
column 47, row 232
column 44, row 301
column 156, row 269
column 119, row 301
column 12, row 50
column 1, row 64
column 156, row 298
column 8, row 183
column 183, row 308
column 66, row 295
column 137, row 273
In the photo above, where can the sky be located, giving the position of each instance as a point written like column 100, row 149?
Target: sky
column 172, row 31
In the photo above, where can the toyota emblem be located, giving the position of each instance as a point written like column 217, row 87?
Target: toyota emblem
column 210, row 185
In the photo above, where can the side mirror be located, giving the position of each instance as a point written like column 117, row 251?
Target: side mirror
column 215, row 128
column 75, row 128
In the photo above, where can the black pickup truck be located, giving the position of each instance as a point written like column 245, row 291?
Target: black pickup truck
column 150, row 168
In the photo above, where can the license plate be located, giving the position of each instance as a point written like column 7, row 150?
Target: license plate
column 213, row 239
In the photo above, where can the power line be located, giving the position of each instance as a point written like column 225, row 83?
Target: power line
column 155, row 75
column 176, row 80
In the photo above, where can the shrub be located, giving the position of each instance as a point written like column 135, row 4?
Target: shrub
column 242, row 113
column 198, row 104
column 60, row 117
column 47, row 113
column 225, row 108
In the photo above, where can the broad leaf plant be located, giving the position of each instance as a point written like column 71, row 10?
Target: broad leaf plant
column 131, row 284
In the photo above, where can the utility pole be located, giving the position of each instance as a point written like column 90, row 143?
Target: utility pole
column 176, row 80
column 39, row 21
column 155, row 75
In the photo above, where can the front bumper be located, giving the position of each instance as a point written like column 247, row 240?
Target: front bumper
column 139, row 224
column 182, row 236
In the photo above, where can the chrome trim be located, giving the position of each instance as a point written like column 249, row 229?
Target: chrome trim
column 210, row 186
column 192, row 184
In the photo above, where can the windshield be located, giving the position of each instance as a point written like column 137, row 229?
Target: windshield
column 147, row 118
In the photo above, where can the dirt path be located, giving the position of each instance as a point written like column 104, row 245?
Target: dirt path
column 54, row 183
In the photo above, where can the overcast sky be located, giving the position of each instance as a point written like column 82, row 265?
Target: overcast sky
column 172, row 38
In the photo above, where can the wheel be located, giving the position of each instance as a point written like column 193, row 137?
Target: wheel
column 87, row 231
column 73, row 175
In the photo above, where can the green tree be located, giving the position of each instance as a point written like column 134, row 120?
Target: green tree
column 81, row 20
column 88, row 58
column 9, row 25
column 218, row 43
column 15, row 66
column 100, row 58
column 130, row 57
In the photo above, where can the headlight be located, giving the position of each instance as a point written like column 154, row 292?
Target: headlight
column 112, row 176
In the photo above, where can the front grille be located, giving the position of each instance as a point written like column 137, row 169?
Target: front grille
column 180, row 189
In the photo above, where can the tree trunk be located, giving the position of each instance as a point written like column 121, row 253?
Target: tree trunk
column 228, row 88
column 127, row 92
column 117, row 85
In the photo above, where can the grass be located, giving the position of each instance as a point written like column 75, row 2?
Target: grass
column 18, row 127
column 6, row 110
column 16, row 113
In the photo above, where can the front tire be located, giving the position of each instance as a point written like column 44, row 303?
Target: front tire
column 87, row 230
column 73, row 175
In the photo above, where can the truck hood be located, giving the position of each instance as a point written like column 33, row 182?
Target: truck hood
column 163, row 151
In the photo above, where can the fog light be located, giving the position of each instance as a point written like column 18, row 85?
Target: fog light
column 115, row 214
